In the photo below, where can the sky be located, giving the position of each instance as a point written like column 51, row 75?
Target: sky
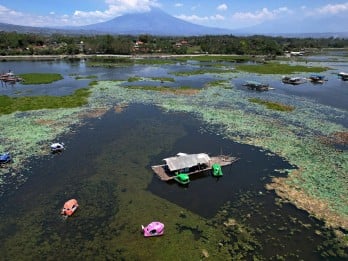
column 232, row 14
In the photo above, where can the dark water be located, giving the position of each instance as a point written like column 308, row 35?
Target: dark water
column 105, row 149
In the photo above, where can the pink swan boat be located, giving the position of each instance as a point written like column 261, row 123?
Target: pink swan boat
column 153, row 229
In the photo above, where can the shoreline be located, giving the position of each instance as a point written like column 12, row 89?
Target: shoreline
column 135, row 56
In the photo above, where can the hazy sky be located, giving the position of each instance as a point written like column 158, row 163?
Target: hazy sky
column 226, row 14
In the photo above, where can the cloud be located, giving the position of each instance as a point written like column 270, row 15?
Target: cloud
column 222, row 7
column 115, row 8
column 261, row 15
column 192, row 18
column 6, row 12
column 200, row 19
column 333, row 8
column 178, row 5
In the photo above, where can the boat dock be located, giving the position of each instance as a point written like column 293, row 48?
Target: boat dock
column 162, row 172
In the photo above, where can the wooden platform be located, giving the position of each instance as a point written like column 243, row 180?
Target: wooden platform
column 222, row 160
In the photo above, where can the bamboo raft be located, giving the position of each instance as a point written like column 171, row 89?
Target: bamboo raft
column 165, row 175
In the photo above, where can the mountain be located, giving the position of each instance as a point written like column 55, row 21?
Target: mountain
column 40, row 30
column 154, row 22
column 157, row 22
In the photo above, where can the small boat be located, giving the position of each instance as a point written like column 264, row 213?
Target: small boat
column 217, row 171
column 57, row 147
column 5, row 158
column 10, row 77
column 153, row 229
column 69, row 207
column 315, row 78
column 292, row 80
column 258, row 86
column 182, row 178
column 343, row 76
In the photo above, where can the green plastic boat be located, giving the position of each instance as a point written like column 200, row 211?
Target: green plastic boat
column 182, row 178
column 217, row 171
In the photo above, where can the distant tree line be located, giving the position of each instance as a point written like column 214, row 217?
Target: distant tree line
column 12, row 43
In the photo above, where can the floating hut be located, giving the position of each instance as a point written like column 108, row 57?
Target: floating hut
column 293, row 80
column 343, row 76
column 189, row 164
column 315, row 78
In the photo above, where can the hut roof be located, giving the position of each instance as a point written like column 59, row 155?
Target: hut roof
column 182, row 161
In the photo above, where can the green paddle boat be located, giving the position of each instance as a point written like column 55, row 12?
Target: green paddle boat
column 217, row 171
column 182, row 178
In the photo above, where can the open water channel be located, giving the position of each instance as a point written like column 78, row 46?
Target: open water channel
column 106, row 166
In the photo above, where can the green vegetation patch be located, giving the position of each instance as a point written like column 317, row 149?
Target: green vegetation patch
column 202, row 71
column 13, row 104
column 154, row 61
column 216, row 58
column 272, row 105
column 134, row 79
column 81, row 77
column 108, row 62
column 161, row 88
column 220, row 83
column 277, row 68
column 161, row 79
column 40, row 78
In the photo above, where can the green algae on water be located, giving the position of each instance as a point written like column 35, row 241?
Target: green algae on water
column 40, row 78
column 272, row 105
column 13, row 104
column 278, row 68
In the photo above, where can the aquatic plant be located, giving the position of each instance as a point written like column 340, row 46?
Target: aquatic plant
column 272, row 105
column 134, row 79
column 13, row 104
column 220, row 83
column 40, row 78
column 202, row 71
column 278, row 68
column 161, row 79
column 82, row 77
column 153, row 61
column 95, row 60
column 181, row 90
column 215, row 58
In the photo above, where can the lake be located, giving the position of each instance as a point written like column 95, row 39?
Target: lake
column 106, row 166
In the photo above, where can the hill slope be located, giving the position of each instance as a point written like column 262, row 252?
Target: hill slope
column 155, row 22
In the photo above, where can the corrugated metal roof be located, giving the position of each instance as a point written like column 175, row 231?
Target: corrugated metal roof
column 186, row 161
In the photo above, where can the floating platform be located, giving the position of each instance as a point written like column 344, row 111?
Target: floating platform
column 167, row 172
